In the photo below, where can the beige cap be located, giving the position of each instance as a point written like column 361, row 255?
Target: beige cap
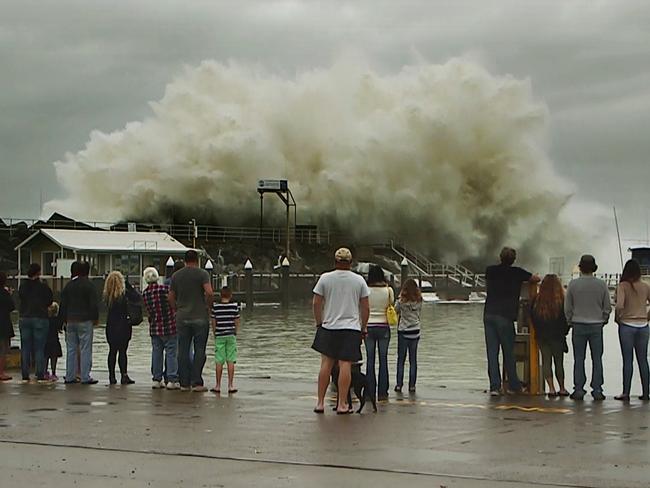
column 343, row 254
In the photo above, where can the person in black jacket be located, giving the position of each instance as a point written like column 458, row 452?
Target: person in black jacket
column 6, row 326
column 35, row 297
column 118, row 328
column 503, row 287
column 549, row 321
column 79, row 311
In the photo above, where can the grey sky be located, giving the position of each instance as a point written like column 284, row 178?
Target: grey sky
column 69, row 67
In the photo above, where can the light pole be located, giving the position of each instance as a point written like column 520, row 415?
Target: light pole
column 195, row 232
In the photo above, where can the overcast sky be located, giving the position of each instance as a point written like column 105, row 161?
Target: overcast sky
column 68, row 67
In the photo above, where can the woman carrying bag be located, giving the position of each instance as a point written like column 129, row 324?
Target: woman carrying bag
column 118, row 327
column 381, row 301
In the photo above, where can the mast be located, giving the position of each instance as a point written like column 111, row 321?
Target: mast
column 618, row 234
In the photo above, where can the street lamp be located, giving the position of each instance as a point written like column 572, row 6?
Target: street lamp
column 195, row 232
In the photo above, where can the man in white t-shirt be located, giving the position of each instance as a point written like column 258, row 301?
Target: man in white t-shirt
column 341, row 311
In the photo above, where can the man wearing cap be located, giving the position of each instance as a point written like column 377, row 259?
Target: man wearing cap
column 587, row 307
column 341, row 312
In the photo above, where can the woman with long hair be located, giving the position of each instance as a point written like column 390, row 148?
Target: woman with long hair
column 549, row 321
column 409, row 307
column 118, row 329
column 632, row 299
column 378, row 339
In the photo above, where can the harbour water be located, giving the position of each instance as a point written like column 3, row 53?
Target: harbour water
column 276, row 344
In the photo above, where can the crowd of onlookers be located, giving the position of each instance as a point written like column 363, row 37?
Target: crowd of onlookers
column 584, row 309
column 181, row 310
column 349, row 312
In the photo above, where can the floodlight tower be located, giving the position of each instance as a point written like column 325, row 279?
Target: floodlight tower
column 281, row 189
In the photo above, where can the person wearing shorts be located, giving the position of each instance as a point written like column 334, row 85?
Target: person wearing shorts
column 341, row 312
column 225, row 324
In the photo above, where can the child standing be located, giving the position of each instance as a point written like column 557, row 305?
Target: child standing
column 225, row 324
column 409, row 307
column 52, row 346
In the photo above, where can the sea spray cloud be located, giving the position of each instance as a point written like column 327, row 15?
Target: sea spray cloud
column 449, row 158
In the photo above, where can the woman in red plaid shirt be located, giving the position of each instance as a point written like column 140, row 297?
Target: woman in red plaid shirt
column 162, row 329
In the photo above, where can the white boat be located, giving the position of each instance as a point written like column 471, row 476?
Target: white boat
column 430, row 297
column 473, row 299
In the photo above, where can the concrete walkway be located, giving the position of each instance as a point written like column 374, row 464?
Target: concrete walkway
column 133, row 436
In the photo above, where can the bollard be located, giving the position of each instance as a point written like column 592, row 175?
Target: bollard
column 536, row 385
column 405, row 271
column 248, row 284
column 209, row 267
column 285, row 282
column 169, row 267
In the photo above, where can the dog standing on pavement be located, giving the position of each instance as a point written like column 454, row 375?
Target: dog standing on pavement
column 359, row 384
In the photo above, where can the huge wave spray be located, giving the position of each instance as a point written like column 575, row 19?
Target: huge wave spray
column 448, row 157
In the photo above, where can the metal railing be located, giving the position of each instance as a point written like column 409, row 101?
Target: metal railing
column 456, row 272
column 185, row 232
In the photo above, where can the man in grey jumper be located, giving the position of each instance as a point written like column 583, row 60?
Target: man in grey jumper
column 587, row 307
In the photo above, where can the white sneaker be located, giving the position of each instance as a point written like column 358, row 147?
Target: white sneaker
column 156, row 385
column 199, row 389
column 185, row 388
column 173, row 386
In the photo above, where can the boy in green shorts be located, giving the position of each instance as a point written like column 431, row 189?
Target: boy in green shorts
column 225, row 324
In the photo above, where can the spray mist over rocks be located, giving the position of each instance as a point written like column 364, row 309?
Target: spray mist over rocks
column 448, row 158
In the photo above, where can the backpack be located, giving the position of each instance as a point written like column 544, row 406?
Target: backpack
column 134, row 305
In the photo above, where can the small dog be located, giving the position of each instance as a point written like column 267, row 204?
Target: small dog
column 359, row 384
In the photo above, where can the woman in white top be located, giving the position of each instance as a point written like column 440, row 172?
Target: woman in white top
column 378, row 338
column 632, row 298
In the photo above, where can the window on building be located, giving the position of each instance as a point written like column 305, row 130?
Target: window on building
column 127, row 264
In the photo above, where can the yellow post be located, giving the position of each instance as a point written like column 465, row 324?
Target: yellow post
column 534, row 388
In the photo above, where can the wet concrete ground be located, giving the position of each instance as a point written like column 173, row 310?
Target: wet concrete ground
column 267, row 435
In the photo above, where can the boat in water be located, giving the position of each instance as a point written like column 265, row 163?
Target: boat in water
column 473, row 299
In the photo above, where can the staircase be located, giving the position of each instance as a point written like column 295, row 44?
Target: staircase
column 457, row 273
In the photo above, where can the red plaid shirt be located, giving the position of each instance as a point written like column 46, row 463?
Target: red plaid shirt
column 162, row 320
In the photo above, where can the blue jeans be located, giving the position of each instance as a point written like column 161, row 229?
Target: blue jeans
column 379, row 338
column 584, row 334
column 33, row 336
column 634, row 340
column 79, row 334
column 405, row 345
column 163, row 352
column 191, row 332
column 500, row 334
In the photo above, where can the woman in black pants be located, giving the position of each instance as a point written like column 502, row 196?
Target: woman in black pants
column 118, row 329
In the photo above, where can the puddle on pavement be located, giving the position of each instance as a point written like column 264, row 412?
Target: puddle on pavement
column 91, row 404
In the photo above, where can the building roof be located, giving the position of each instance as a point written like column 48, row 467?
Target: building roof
column 108, row 241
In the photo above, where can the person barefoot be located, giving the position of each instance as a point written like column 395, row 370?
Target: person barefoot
column 225, row 325
column 341, row 310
